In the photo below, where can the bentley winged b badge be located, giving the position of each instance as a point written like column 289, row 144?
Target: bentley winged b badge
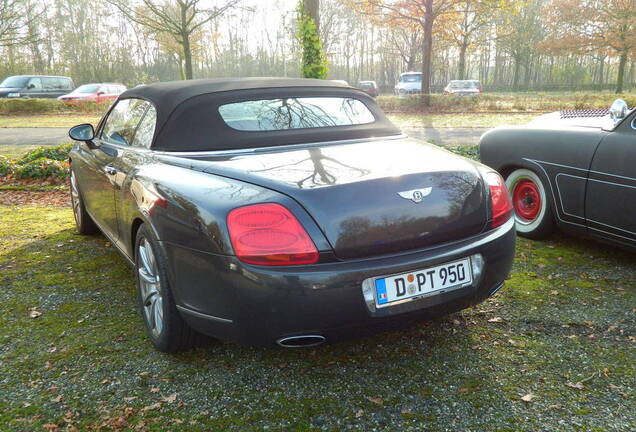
column 416, row 195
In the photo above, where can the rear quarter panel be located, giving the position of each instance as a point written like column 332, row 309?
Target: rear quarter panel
column 561, row 157
column 187, row 211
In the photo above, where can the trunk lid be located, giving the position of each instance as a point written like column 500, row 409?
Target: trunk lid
column 372, row 197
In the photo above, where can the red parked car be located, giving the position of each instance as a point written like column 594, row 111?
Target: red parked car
column 94, row 92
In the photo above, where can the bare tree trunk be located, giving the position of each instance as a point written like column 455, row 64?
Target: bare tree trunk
column 427, row 52
column 312, row 8
column 621, row 72
column 461, row 67
column 187, row 56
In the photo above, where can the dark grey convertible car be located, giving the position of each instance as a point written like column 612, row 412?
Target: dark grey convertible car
column 285, row 211
column 573, row 169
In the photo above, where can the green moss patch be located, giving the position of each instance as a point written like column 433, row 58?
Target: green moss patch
column 554, row 350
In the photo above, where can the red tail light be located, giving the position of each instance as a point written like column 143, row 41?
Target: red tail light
column 269, row 234
column 500, row 202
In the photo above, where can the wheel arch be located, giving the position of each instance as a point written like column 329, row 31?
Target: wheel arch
column 134, row 228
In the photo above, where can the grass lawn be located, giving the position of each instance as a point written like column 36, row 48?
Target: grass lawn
column 459, row 120
column 554, row 350
column 52, row 120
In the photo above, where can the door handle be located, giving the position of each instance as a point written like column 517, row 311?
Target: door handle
column 110, row 170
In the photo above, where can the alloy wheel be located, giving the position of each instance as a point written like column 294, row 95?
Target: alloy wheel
column 75, row 200
column 150, row 288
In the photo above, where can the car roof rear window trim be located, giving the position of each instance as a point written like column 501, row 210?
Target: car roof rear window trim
column 206, row 153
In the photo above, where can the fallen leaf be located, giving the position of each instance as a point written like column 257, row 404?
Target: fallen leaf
column 359, row 413
column 154, row 406
column 35, row 313
column 170, row 399
column 406, row 411
column 495, row 320
column 578, row 385
column 528, row 397
column 57, row 399
column 154, row 389
column 376, row 401
column 51, row 427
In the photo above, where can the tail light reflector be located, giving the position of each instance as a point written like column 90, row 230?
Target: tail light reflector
column 500, row 202
column 269, row 234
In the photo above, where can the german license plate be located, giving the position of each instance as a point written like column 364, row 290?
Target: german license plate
column 397, row 288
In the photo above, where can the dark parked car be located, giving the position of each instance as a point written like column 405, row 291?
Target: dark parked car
column 369, row 87
column 285, row 211
column 572, row 169
column 35, row 86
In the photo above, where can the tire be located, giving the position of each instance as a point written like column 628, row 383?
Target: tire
column 165, row 327
column 84, row 223
column 532, row 204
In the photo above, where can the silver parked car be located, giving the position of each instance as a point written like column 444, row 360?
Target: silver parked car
column 409, row 83
column 463, row 88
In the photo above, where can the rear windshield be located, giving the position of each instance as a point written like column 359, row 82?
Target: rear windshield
column 295, row 113
column 411, row 78
column 464, row 84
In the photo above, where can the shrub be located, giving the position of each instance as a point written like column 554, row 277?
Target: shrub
column 49, row 106
column 58, row 153
column 42, row 168
column 470, row 152
column 6, row 167
column 540, row 101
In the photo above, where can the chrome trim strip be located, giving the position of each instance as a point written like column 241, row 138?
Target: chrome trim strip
column 611, row 226
column 556, row 181
column 272, row 148
column 580, row 169
column 204, row 316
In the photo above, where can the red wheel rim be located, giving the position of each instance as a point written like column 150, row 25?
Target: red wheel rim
column 526, row 198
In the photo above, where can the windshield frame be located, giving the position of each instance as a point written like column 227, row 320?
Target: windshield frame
column 95, row 86
column 417, row 76
column 18, row 79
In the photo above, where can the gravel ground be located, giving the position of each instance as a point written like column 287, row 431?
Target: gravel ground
column 554, row 351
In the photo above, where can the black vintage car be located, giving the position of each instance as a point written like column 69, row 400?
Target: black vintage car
column 285, row 211
column 572, row 169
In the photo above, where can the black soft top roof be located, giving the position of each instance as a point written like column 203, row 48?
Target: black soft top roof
column 188, row 118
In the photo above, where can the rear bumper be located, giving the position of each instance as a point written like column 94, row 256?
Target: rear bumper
column 260, row 305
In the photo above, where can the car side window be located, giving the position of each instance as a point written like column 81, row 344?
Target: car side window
column 36, row 83
column 146, row 129
column 119, row 128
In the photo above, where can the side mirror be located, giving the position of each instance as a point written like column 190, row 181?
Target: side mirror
column 83, row 132
column 618, row 110
column 31, row 86
column 99, row 93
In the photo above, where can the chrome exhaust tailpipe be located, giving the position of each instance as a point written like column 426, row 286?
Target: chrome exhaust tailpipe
column 302, row 341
